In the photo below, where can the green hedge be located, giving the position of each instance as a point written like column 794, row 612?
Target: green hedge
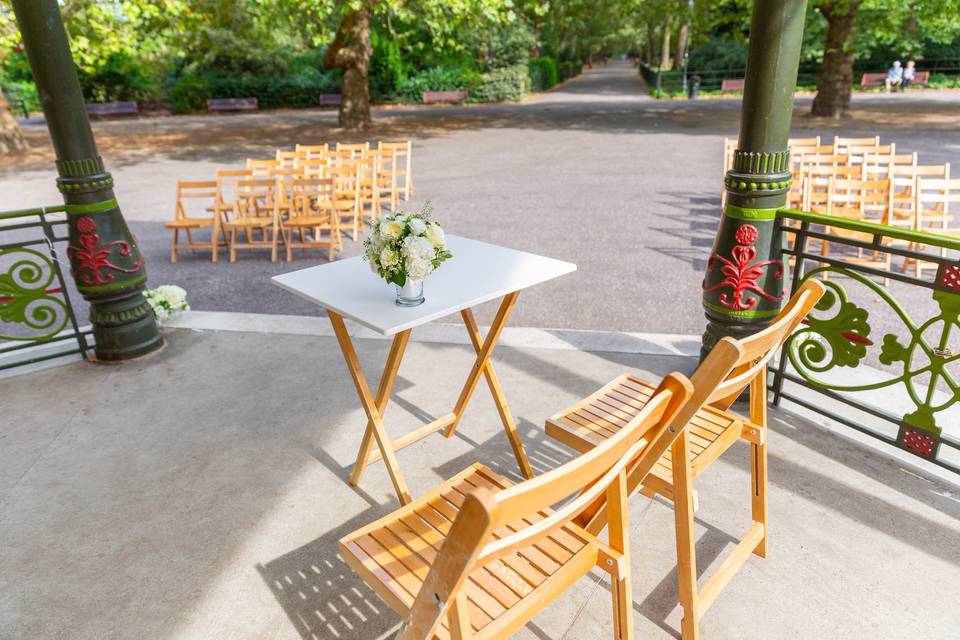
column 543, row 73
column 410, row 89
column 569, row 68
column 190, row 92
column 508, row 83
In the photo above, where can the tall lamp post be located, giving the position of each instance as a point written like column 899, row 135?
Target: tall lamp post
column 104, row 258
column 744, row 284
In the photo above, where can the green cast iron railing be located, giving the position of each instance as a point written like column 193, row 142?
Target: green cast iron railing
column 907, row 381
column 35, row 306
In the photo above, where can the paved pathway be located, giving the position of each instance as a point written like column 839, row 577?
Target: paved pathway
column 595, row 172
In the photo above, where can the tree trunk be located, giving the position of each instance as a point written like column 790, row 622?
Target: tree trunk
column 650, row 43
column 351, row 52
column 665, row 49
column 11, row 138
column 681, row 46
column 835, row 80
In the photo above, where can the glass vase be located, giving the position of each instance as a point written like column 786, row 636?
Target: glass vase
column 410, row 294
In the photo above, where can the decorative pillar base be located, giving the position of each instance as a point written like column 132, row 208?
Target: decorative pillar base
column 124, row 327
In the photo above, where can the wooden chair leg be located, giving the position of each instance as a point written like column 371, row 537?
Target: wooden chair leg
column 290, row 243
column 619, row 536
column 173, row 250
column 233, row 245
column 686, row 542
column 758, row 458
column 190, row 242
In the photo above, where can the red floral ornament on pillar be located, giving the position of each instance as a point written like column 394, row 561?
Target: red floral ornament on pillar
column 93, row 257
column 741, row 275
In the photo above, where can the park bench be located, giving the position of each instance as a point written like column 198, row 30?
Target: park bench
column 731, row 84
column 104, row 109
column 232, row 104
column 432, row 97
column 879, row 79
column 330, row 99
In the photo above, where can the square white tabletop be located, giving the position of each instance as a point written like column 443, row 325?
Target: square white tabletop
column 476, row 273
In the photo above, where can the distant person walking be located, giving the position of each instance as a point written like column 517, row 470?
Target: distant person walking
column 894, row 76
column 909, row 73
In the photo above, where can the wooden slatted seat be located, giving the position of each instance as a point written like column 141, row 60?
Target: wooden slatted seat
column 477, row 557
column 590, row 422
column 398, row 551
column 707, row 433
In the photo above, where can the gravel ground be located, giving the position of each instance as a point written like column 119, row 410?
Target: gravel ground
column 595, row 172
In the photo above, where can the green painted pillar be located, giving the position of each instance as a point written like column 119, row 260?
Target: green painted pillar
column 104, row 258
column 744, row 285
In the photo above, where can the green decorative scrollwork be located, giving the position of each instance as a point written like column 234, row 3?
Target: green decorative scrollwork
column 26, row 298
column 842, row 339
column 845, row 332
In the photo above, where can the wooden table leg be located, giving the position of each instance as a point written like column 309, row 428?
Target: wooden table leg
column 370, row 407
column 384, row 390
column 493, row 382
column 484, row 366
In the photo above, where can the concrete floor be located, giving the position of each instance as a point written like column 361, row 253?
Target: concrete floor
column 594, row 172
column 200, row 494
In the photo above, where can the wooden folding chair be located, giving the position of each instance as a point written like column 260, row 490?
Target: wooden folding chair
column 313, row 167
column 880, row 166
column 841, row 145
column 339, row 157
column 797, row 155
column 709, row 432
column 479, row 556
column 860, row 200
column 816, row 181
column 205, row 190
column 313, row 151
column 385, row 178
column 404, row 157
column 310, row 209
column 932, row 210
column 346, row 201
column 356, row 150
column 856, row 152
column 288, row 159
column 262, row 168
column 255, row 209
column 369, row 195
column 905, row 195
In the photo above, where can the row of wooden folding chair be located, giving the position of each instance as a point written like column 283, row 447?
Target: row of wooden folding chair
column 239, row 206
column 478, row 556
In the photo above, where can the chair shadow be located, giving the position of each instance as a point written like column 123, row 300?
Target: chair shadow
column 321, row 594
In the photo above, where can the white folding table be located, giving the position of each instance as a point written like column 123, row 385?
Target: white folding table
column 477, row 272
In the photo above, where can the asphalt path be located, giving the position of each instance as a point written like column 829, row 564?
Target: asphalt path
column 595, row 172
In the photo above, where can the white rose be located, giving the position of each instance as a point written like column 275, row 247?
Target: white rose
column 388, row 258
column 391, row 229
column 417, row 226
column 435, row 235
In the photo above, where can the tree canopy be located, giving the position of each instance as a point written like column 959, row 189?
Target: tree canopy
column 180, row 52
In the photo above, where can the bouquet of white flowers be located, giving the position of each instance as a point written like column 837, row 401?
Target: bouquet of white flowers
column 405, row 246
column 167, row 300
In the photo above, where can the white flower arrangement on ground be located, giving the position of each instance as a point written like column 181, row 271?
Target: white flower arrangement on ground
column 404, row 246
column 167, row 301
